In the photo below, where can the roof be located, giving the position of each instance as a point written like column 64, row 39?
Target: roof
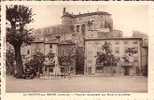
column 114, row 38
column 68, row 15
column 38, row 41
column 66, row 42
column 86, row 14
column 46, row 42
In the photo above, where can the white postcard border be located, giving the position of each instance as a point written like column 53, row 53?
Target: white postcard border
column 73, row 96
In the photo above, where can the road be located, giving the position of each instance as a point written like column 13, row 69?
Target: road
column 79, row 84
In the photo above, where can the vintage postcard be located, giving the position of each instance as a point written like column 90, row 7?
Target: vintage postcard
column 77, row 50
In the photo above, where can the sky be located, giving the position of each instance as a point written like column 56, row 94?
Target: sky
column 125, row 18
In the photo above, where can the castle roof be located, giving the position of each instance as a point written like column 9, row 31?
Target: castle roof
column 86, row 14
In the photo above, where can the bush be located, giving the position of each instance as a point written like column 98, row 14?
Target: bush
column 36, row 63
column 10, row 59
column 106, row 57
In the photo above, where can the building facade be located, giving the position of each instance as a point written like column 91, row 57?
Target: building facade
column 93, row 29
column 59, row 50
column 119, row 48
column 89, row 32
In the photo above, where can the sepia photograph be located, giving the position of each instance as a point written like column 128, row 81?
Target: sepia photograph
column 77, row 48
column 80, row 0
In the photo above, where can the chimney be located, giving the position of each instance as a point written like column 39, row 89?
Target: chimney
column 64, row 10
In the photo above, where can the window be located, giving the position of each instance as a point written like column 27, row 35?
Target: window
column 117, row 50
column 131, row 50
column 135, row 50
column 136, row 59
column 134, row 42
column 89, row 70
column 126, row 49
column 89, row 61
column 102, row 24
column 51, row 70
column 28, row 52
column 50, row 45
column 78, row 28
column 73, row 34
column 117, row 42
column 96, row 43
column 72, row 28
column 62, row 69
column 125, row 42
column 91, row 24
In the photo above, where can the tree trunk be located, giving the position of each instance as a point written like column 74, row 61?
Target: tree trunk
column 18, row 59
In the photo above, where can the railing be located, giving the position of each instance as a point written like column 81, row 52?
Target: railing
column 51, row 74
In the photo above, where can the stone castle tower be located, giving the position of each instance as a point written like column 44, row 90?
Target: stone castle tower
column 87, row 25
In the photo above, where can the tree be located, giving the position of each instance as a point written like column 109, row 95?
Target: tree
column 50, row 59
column 18, row 17
column 105, row 58
column 129, row 60
column 10, row 62
column 37, row 62
column 67, row 59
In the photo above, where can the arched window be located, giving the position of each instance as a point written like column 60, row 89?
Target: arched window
column 90, row 24
column 78, row 28
column 83, row 28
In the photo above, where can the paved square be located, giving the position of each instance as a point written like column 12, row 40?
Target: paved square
column 79, row 84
